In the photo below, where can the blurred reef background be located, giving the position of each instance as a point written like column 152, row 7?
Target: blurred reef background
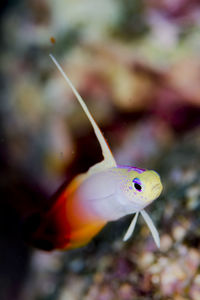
column 137, row 65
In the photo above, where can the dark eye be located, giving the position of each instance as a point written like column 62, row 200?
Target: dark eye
column 137, row 184
column 137, row 187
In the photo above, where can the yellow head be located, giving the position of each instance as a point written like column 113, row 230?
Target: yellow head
column 137, row 187
column 146, row 186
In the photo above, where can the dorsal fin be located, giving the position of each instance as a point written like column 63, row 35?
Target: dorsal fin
column 109, row 160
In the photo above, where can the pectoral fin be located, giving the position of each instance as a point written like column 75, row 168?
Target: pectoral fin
column 152, row 227
column 150, row 224
column 131, row 228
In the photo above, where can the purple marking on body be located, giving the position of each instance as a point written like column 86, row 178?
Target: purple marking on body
column 136, row 180
column 138, row 170
column 137, row 184
column 130, row 188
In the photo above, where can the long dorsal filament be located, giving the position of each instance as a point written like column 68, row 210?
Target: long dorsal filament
column 109, row 160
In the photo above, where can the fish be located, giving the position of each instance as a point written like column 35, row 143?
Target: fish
column 106, row 192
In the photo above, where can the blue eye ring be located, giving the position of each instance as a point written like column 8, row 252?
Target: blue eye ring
column 137, row 184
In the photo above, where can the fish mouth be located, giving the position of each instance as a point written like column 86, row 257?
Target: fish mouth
column 157, row 189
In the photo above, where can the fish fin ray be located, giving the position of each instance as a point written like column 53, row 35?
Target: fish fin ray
column 108, row 161
column 131, row 228
column 152, row 227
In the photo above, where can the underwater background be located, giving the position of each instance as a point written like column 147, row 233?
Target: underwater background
column 137, row 65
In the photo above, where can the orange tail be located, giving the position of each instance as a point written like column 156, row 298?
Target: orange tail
column 66, row 225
